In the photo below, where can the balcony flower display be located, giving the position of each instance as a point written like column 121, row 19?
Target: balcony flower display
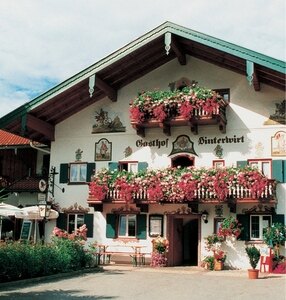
column 161, row 105
column 177, row 185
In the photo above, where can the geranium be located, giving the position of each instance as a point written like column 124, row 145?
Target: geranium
column 219, row 255
column 79, row 234
column 160, row 244
column 181, row 184
column 229, row 227
column 168, row 104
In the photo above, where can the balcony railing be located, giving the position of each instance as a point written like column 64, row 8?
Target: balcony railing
column 237, row 193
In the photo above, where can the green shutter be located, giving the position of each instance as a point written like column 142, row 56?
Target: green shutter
column 278, row 219
column 141, row 227
column 111, row 226
column 244, row 220
column 88, row 221
column 279, row 170
column 62, row 221
column 64, row 174
column 142, row 166
column 113, row 166
column 90, row 171
column 241, row 163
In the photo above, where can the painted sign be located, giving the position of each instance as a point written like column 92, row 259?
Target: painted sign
column 155, row 143
column 183, row 144
column 203, row 140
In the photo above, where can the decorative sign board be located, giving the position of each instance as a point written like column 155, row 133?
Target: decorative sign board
column 26, row 230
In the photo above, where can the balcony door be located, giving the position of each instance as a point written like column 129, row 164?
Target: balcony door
column 183, row 160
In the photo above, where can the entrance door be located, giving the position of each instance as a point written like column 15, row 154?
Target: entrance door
column 190, row 243
column 178, row 242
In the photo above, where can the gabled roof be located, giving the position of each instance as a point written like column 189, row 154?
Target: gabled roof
column 8, row 139
column 37, row 118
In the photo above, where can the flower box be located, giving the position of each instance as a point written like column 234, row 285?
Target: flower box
column 191, row 106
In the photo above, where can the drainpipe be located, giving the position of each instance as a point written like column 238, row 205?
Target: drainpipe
column 38, row 148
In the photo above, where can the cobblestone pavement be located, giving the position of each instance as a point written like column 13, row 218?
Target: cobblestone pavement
column 126, row 282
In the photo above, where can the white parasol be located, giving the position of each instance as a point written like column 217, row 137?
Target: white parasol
column 33, row 213
column 7, row 210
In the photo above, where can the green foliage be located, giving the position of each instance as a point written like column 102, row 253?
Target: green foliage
column 24, row 260
column 253, row 255
column 209, row 260
column 274, row 235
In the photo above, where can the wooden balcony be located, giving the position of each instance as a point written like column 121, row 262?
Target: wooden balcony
column 198, row 118
column 237, row 194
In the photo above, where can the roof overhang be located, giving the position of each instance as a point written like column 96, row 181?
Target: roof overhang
column 37, row 118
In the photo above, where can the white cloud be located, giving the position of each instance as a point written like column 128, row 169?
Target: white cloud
column 50, row 40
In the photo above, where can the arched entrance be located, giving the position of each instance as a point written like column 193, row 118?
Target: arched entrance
column 182, row 160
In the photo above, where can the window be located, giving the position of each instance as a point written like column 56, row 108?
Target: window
column 225, row 93
column 218, row 164
column 78, row 172
column 75, row 221
column 263, row 165
column 155, row 225
column 129, row 166
column 257, row 224
column 217, row 223
column 127, row 226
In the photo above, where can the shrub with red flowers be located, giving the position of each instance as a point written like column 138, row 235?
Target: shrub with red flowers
column 168, row 104
column 79, row 234
column 160, row 248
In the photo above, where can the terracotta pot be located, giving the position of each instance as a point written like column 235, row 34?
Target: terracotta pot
column 218, row 265
column 253, row 273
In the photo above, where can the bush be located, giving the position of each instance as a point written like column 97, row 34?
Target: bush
column 253, row 255
column 24, row 260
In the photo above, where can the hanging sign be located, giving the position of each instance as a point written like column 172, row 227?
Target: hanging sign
column 26, row 230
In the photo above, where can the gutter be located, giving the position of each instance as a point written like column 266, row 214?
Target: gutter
column 38, row 148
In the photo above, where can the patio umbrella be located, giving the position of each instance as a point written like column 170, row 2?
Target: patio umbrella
column 7, row 210
column 33, row 213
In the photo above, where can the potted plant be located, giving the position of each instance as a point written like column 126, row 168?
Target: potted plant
column 219, row 259
column 253, row 255
column 208, row 263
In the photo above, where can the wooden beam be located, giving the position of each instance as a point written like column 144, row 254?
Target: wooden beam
column 41, row 126
column 178, row 51
column 107, row 89
column 255, row 82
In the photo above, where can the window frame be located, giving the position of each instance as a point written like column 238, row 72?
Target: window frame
column 77, row 168
column 218, row 164
column 128, row 165
column 156, row 225
column 76, row 224
column 261, row 228
column 260, row 161
column 128, row 216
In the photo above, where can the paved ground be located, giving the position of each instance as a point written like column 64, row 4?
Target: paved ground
column 125, row 282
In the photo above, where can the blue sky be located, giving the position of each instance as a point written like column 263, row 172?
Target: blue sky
column 42, row 43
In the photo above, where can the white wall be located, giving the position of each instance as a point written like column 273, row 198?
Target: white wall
column 246, row 113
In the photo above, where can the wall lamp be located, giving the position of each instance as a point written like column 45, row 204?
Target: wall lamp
column 205, row 216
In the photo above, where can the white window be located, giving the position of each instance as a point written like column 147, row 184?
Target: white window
column 129, row 166
column 74, row 222
column 263, row 165
column 257, row 224
column 127, row 226
column 78, row 172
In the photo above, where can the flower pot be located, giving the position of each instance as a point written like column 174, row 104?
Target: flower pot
column 253, row 273
column 218, row 265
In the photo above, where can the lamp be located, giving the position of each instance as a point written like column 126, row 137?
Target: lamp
column 205, row 216
column 45, row 208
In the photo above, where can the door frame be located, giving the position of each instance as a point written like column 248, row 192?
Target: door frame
column 170, row 234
